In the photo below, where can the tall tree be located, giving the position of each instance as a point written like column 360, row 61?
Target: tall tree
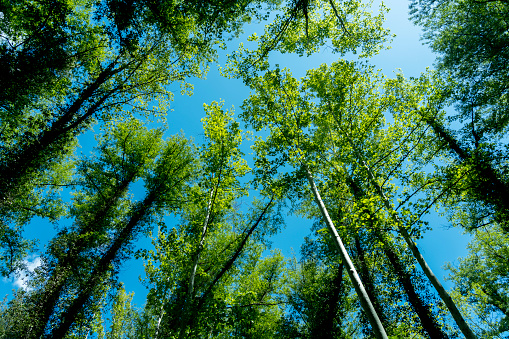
column 417, row 292
column 480, row 282
column 277, row 104
column 201, row 258
column 305, row 26
column 317, row 298
column 84, row 257
column 344, row 107
column 69, row 65
column 470, row 38
column 340, row 93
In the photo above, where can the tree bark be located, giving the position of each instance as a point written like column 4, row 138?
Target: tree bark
column 194, row 268
column 489, row 185
column 102, row 267
column 324, row 329
column 423, row 310
column 49, row 296
column 367, row 278
column 428, row 322
column 451, row 306
column 373, row 318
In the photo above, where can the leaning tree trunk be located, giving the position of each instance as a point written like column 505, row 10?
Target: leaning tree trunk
column 327, row 327
column 366, row 276
column 194, row 268
column 102, row 267
column 428, row 321
column 489, row 186
column 423, row 310
column 451, row 306
column 373, row 318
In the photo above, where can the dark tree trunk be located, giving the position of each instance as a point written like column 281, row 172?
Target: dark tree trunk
column 428, row 321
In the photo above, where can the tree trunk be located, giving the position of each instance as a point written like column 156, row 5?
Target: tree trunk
column 360, row 258
column 428, row 321
column 325, row 328
column 33, row 154
column 190, row 289
column 423, row 310
column 451, row 306
column 49, row 296
column 194, row 268
column 103, row 266
column 377, row 326
column 489, row 185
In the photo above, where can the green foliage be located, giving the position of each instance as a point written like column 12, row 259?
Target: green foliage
column 206, row 274
column 318, row 303
column 82, row 260
column 381, row 152
column 305, row 26
column 481, row 282
column 333, row 122
column 123, row 316
column 471, row 39
column 471, row 177
column 66, row 65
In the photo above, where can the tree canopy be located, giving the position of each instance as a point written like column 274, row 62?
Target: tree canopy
column 363, row 156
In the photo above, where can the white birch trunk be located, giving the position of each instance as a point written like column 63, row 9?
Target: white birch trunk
column 190, row 289
column 200, row 248
column 161, row 314
column 375, row 322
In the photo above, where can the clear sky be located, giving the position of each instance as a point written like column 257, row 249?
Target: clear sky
column 407, row 53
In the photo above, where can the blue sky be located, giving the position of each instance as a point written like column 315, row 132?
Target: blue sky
column 407, row 53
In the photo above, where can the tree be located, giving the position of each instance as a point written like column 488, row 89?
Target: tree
column 123, row 316
column 470, row 38
column 84, row 257
column 480, row 282
column 330, row 112
column 329, row 153
column 416, row 290
column 340, row 93
column 305, row 26
column 234, row 288
column 277, row 104
column 68, row 66
column 198, row 267
column 318, row 304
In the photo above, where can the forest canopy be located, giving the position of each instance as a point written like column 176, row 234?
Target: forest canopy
column 364, row 156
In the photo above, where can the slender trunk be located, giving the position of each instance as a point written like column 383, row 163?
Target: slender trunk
column 366, row 277
column 422, row 309
column 237, row 253
column 161, row 313
column 428, row 321
column 488, row 185
column 34, row 153
column 451, row 306
column 324, row 328
column 102, row 268
column 194, row 268
column 377, row 326
column 228, row 265
column 64, row 269
column 334, row 302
